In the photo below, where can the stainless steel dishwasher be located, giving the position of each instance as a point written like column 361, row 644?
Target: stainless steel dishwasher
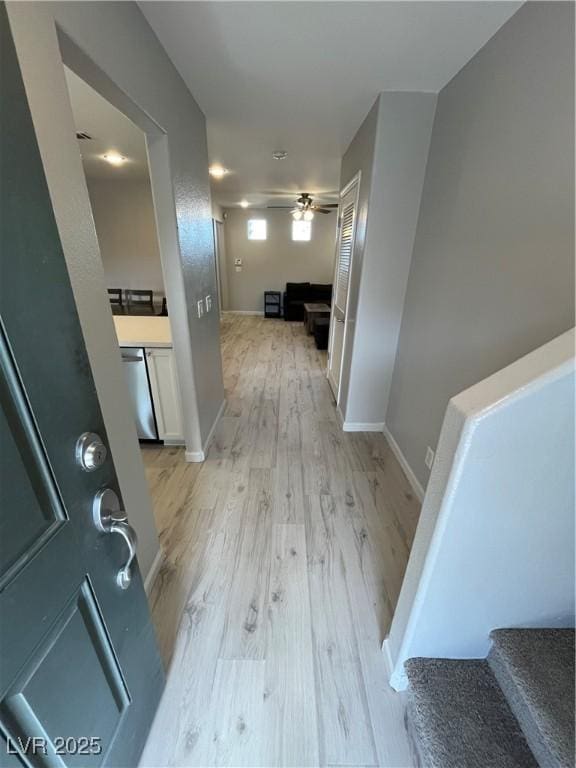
column 136, row 372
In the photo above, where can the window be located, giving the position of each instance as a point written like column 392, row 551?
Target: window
column 301, row 230
column 256, row 229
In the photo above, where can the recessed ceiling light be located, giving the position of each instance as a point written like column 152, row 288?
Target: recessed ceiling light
column 114, row 158
column 217, row 171
column 280, row 154
column 244, row 203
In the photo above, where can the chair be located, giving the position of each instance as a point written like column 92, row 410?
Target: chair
column 115, row 296
column 140, row 302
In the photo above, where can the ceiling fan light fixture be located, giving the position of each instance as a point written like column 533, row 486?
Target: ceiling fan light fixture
column 297, row 215
column 114, row 158
column 217, row 171
column 308, row 215
column 280, row 154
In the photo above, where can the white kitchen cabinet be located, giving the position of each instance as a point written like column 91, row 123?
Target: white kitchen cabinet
column 165, row 394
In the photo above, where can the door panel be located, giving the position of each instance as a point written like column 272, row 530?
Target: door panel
column 79, row 656
column 28, row 489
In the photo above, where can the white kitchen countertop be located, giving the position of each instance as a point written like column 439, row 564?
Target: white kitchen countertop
column 143, row 331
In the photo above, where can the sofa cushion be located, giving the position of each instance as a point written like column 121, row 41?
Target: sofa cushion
column 297, row 290
column 319, row 291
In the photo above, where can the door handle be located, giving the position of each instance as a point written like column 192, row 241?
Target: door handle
column 339, row 319
column 132, row 358
column 110, row 518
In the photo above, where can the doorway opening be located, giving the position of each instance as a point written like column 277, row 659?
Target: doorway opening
column 339, row 321
column 114, row 158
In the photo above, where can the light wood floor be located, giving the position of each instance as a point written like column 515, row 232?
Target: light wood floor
column 284, row 556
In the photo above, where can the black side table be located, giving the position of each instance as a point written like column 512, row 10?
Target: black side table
column 272, row 304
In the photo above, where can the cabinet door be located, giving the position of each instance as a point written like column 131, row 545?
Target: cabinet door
column 165, row 394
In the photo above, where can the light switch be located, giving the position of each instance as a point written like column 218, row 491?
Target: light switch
column 208, row 301
column 200, row 308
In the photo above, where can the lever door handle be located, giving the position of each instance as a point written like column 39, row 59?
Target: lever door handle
column 123, row 527
column 110, row 518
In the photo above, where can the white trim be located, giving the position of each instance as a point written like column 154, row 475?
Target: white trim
column 243, row 312
column 354, row 181
column 408, row 471
column 153, row 572
column 388, row 664
column 363, row 426
column 194, row 457
column 198, row 456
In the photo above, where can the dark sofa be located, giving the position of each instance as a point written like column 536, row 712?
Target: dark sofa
column 298, row 294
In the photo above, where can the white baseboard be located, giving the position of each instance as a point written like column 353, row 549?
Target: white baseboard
column 194, row 457
column 388, row 663
column 408, row 471
column 153, row 572
column 242, row 312
column 361, row 426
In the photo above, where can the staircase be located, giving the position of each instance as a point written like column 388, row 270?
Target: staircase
column 514, row 709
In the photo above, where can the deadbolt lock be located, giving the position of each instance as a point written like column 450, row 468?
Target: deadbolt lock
column 90, row 451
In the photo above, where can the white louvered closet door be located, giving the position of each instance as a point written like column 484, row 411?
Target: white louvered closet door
column 345, row 241
column 344, row 253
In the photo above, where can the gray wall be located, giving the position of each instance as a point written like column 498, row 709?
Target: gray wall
column 492, row 274
column 112, row 46
column 359, row 157
column 124, row 218
column 270, row 264
column 401, row 146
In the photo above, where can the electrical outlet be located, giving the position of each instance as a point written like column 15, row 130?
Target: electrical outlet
column 429, row 459
column 200, row 308
column 208, row 301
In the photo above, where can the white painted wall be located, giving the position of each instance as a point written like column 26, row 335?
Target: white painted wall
column 495, row 543
column 269, row 264
column 401, row 143
column 124, row 219
column 112, row 47
column 492, row 273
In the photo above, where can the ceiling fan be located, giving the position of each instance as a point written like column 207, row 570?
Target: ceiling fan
column 305, row 207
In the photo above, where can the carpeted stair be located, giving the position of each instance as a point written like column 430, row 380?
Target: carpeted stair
column 535, row 669
column 513, row 710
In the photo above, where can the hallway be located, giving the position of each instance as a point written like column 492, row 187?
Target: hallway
column 284, row 553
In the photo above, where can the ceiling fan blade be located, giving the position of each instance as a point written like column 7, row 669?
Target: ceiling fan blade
column 318, row 209
column 284, row 207
column 329, row 205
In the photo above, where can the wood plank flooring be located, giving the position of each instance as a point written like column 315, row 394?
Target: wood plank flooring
column 284, row 556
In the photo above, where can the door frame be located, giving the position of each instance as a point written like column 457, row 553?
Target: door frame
column 161, row 184
column 354, row 181
column 42, row 38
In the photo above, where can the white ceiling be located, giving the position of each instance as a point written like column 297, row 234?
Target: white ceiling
column 301, row 76
column 110, row 130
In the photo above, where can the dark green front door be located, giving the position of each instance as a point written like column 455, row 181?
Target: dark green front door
column 80, row 675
